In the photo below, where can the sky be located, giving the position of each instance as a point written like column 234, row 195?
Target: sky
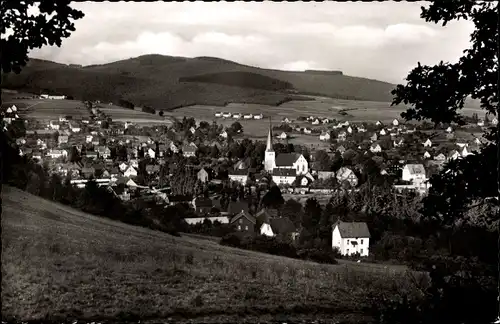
column 377, row 40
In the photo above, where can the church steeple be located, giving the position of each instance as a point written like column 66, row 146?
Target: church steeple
column 269, row 146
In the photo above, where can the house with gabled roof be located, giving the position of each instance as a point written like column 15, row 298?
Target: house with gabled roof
column 243, row 222
column 351, row 238
column 375, row 148
column 427, row 143
column 284, row 176
column 414, row 173
column 282, row 226
column 238, row 175
column 203, row 175
column 374, row 137
column 324, row 136
column 427, row 155
column 440, row 157
column 130, row 172
column 345, row 174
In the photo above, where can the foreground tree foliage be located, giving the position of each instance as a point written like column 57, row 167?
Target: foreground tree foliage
column 437, row 93
column 48, row 23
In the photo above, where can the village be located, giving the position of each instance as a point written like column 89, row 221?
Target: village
column 137, row 162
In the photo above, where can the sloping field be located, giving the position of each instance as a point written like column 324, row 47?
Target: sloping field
column 52, row 109
column 61, row 263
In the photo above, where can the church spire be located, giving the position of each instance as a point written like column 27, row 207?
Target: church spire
column 269, row 146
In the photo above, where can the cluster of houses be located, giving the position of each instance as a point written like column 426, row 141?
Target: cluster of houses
column 238, row 115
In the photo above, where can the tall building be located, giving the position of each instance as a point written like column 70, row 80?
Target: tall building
column 273, row 163
column 270, row 155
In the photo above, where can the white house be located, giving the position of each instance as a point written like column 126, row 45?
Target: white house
column 414, row 173
column 316, row 122
column 325, row 136
column 130, row 172
column 283, row 136
column 55, row 154
column 427, row 155
column 223, row 134
column 440, row 157
column 123, row 166
column 427, row 143
column 342, row 136
column 259, row 116
column 494, row 121
column 54, row 125
column 192, row 130
column 75, row 128
column 274, row 226
column 395, row 122
column 346, row 174
column 237, row 116
column 378, row 123
column 465, row 152
column 248, row 116
column 237, row 175
column 375, row 148
column 383, row 132
column 449, row 129
column 88, row 138
column 351, row 238
column 307, row 130
column 173, row 148
column 454, row 155
column 286, row 120
column 349, row 130
column 151, row 153
column 480, row 123
column 284, row 176
column 226, row 115
column 218, row 114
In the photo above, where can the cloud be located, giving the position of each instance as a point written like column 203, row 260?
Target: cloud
column 378, row 40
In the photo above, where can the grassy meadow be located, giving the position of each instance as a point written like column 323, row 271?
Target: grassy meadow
column 61, row 263
column 45, row 109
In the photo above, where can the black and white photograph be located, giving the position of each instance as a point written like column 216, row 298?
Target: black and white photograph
column 250, row 162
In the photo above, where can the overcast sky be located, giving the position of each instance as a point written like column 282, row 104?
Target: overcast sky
column 379, row 40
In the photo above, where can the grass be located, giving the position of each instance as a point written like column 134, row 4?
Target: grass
column 61, row 263
column 44, row 109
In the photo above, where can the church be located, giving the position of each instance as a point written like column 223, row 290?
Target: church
column 284, row 167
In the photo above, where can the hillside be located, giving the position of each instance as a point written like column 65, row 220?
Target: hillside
column 166, row 82
column 61, row 262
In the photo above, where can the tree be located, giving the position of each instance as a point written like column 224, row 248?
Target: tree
column 236, row 128
column 437, row 93
column 27, row 31
column 273, row 198
column 322, row 160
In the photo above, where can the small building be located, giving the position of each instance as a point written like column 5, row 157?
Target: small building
column 351, row 238
column 243, row 222
column 414, row 173
column 427, row 143
column 375, row 148
column 188, row 151
column 284, row 176
column 427, row 155
column 62, row 139
column 283, row 136
column 239, row 175
column 345, row 174
column 278, row 227
column 130, row 172
column 203, row 175
column 202, row 205
column 395, row 122
column 325, row 136
column 383, row 132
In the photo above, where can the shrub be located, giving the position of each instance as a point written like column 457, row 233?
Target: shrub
column 317, row 255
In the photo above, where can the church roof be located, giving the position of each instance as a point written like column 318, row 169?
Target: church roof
column 286, row 159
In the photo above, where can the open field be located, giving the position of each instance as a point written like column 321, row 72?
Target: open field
column 45, row 109
column 62, row 263
column 357, row 111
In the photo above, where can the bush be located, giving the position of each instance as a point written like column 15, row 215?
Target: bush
column 320, row 256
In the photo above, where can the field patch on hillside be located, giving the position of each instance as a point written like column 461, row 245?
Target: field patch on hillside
column 51, row 109
column 61, row 262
